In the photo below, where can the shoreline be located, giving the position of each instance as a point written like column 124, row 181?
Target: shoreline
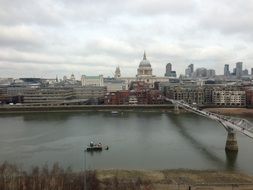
column 81, row 108
column 120, row 108
column 185, row 177
column 231, row 111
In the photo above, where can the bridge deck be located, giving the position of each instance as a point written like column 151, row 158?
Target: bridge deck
column 230, row 123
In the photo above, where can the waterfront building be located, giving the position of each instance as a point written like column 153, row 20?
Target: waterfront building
column 117, row 98
column 190, row 94
column 230, row 98
column 48, row 95
column 88, row 92
column 92, row 80
column 249, row 96
column 226, row 70
column 238, row 71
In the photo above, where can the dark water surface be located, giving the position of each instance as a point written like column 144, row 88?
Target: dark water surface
column 136, row 140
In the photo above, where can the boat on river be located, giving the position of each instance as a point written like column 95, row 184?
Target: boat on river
column 114, row 112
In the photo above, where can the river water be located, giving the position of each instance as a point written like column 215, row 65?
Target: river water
column 137, row 140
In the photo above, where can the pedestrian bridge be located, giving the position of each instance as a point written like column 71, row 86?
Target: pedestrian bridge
column 231, row 124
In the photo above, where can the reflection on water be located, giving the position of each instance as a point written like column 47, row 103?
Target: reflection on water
column 198, row 145
column 137, row 140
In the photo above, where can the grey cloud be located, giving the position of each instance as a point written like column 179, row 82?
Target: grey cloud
column 18, row 12
column 20, row 37
column 94, row 36
column 228, row 17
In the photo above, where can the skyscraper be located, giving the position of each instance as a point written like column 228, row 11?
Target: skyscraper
column 245, row 72
column 251, row 71
column 168, row 68
column 189, row 70
column 169, row 72
column 226, row 70
column 238, row 70
column 210, row 73
column 191, row 67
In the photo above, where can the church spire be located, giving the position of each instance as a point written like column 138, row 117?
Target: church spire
column 144, row 56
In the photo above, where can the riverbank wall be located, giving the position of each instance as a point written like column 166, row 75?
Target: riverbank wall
column 66, row 108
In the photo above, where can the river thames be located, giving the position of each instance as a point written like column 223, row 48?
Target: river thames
column 137, row 140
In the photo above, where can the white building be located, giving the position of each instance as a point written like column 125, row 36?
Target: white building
column 114, row 84
column 92, row 80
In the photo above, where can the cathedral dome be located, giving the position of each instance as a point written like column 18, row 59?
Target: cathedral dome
column 145, row 62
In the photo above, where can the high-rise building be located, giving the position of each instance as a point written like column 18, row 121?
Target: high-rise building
column 201, row 72
column 238, row 70
column 251, row 71
column 210, row 73
column 191, row 67
column 169, row 72
column 168, row 69
column 245, row 72
column 189, row 70
column 226, row 70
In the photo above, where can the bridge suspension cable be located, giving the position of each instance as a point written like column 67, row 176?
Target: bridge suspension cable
column 231, row 124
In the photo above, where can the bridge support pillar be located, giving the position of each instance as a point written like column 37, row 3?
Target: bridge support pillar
column 176, row 108
column 231, row 143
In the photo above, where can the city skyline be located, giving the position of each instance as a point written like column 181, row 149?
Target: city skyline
column 49, row 38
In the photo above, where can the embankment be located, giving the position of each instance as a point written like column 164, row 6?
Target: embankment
column 66, row 108
column 232, row 111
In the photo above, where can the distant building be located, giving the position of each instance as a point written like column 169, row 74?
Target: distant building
column 144, row 74
column 6, row 81
column 169, row 72
column 114, row 84
column 72, row 77
column 238, row 71
column 210, row 73
column 65, row 78
column 88, row 92
column 245, row 72
column 251, row 71
column 189, row 71
column 92, row 80
column 117, row 73
column 226, row 70
column 144, row 68
column 201, row 73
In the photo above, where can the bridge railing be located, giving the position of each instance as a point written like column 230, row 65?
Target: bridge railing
column 230, row 123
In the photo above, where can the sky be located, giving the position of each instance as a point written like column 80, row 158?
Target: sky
column 49, row 38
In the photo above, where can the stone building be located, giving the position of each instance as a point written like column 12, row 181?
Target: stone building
column 144, row 74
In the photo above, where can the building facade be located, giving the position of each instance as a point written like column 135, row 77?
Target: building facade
column 92, row 80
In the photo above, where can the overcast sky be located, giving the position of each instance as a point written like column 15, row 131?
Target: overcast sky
column 45, row 38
